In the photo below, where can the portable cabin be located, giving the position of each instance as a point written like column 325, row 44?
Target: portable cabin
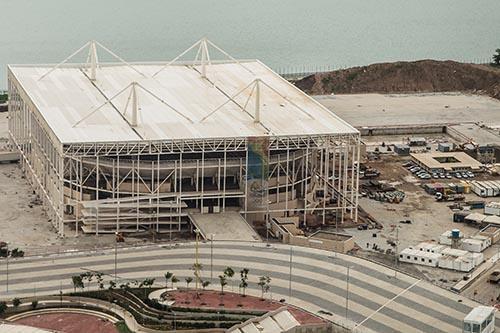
column 481, row 319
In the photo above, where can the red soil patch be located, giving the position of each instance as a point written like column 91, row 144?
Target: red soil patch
column 232, row 301
column 69, row 323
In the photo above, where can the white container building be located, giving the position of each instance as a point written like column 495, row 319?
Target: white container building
column 477, row 243
column 445, row 238
column 414, row 256
column 492, row 208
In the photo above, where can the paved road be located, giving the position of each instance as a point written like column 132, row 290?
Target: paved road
column 318, row 281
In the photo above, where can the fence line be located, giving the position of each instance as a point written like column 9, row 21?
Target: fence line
column 299, row 71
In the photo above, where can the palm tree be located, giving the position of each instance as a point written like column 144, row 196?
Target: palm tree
column 168, row 276
column 188, row 281
column 205, row 284
column 223, row 283
column 77, row 282
column 229, row 273
column 174, row 280
column 197, row 268
column 16, row 302
column 264, row 284
column 244, row 279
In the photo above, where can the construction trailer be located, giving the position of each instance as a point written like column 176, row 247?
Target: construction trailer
column 128, row 147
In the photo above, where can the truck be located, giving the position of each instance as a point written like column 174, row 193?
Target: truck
column 449, row 197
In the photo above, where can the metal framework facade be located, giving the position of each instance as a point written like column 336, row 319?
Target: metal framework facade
column 142, row 185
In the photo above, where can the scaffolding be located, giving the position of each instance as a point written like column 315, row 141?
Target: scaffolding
column 144, row 183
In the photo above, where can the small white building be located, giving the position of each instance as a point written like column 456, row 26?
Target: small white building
column 481, row 319
column 446, row 237
column 414, row 256
column 477, row 243
column 492, row 208
column 429, row 247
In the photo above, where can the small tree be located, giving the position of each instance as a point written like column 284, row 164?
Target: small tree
column 197, row 268
column 168, row 276
column 100, row 280
column 244, row 279
column 188, row 281
column 223, row 283
column 229, row 273
column 34, row 304
column 205, row 284
column 16, row 302
column 496, row 58
column 112, row 285
column 174, row 280
column 77, row 282
column 3, row 307
column 264, row 284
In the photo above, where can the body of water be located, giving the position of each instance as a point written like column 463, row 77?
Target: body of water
column 285, row 34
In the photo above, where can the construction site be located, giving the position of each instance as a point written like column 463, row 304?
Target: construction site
column 168, row 147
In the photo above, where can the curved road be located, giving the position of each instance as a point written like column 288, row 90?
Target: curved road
column 318, row 281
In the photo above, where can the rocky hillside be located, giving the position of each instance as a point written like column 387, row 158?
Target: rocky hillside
column 406, row 77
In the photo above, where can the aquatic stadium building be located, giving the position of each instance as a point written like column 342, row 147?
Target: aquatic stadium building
column 131, row 147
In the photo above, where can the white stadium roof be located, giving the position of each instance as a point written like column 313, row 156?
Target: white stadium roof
column 173, row 101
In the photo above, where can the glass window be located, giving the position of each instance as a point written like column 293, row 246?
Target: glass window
column 483, row 325
column 476, row 328
column 467, row 327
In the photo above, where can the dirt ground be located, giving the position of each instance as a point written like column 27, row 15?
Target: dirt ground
column 214, row 299
column 23, row 222
column 69, row 323
column 429, row 220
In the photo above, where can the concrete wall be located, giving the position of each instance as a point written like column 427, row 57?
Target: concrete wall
column 323, row 244
column 402, row 130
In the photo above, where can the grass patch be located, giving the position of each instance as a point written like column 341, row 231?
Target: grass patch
column 122, row 327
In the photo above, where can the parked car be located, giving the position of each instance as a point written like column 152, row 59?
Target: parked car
column 448, row 176
column 458, row 175
column 435, row 175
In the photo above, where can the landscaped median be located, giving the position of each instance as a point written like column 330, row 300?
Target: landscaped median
column 131, row 310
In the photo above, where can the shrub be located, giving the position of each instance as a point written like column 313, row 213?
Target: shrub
column 16, row 302
column 34, row 304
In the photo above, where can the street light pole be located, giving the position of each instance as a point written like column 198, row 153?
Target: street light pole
column 116, row 253
column 396, row 254
column 347, row 293
column 290, row 276
column 211, row 256
column 7, row 282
